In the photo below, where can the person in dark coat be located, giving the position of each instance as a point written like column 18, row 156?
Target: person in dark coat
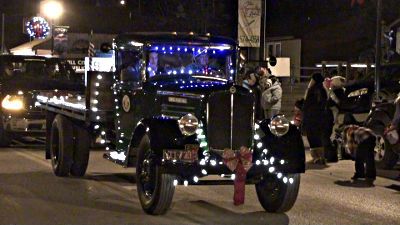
column 318, row 120
column 251, row 82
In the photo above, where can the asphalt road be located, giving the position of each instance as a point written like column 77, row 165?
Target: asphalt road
column 31, row 194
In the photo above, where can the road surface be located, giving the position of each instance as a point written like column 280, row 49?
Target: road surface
column 31, row 194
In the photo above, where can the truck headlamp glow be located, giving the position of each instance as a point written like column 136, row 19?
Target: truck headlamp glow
column 188, row 124
column 279, row 125
column 13, row 102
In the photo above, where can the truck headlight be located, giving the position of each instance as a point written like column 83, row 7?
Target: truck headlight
column 13, row 102
column 188, row 124
column 279, row 125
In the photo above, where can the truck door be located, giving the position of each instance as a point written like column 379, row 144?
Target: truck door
column 127, row 90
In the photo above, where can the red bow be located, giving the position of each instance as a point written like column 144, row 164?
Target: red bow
column 239, row 163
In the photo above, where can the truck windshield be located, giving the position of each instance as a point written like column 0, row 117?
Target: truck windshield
column 197, row 61
column 35, row 68
column 27, row 67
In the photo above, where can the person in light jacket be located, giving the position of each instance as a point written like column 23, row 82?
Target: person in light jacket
column 271, row 98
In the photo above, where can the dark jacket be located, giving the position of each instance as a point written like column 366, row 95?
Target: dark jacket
column 316, row 113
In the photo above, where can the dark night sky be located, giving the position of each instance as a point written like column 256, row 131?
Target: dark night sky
column 330, row 29
column 108, row 16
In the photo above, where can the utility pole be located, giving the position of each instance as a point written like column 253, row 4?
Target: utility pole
column 378, row 47
column 2, row 33
column 263, row 25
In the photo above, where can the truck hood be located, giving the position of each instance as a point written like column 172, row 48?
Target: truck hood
column 30, row 84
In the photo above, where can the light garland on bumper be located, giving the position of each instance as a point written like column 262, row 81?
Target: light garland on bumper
column 269, row 162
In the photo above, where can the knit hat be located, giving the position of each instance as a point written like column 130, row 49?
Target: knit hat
column 317, row 77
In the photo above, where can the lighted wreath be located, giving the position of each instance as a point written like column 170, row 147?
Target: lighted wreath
column 38, row 27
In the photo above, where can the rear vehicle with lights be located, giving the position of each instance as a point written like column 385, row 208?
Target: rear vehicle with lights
column 173, row 110
column 21, row 78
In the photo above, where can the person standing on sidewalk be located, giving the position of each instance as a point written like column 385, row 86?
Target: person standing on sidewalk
column 297, row 113
column 317, row 119
column 360, row 143
column 252, row 82
column 271, row 98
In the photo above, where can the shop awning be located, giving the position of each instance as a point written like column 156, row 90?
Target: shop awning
column 29, row 48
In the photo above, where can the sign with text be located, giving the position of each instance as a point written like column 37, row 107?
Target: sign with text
column 99, row 64
column 77, row 64
column 249, row 23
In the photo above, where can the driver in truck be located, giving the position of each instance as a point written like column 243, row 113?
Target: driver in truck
column 154, row 68
column 201, row 63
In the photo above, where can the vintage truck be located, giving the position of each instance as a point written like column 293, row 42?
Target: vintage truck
column 171, row 108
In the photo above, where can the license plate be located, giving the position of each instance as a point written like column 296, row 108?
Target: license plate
column 187, row 155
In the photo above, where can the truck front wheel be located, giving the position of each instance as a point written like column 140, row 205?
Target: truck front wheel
column 388, row 156
column 61, row 147
column 278, row 196
column 155, row 189
column 5, row 139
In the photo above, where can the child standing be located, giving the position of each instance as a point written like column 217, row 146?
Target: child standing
column 360, row 143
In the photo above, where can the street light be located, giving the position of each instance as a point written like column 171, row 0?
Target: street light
column 52, row 9
column 122, row 2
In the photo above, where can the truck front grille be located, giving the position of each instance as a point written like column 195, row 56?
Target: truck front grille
column 230, row 120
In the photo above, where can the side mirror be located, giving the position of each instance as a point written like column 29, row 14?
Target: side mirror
column 105, row 47
column 272, row 61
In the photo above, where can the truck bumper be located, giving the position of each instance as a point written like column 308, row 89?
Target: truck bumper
column 28, row 124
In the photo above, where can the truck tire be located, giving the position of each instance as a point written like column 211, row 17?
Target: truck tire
column 155, row 189
column 81, row 151
column 390, row 158
column 61, row 147
column 276, row 196
column 5, row 139
column 376, row 125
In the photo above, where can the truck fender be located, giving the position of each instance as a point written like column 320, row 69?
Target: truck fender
column 163, row 134
column 140, row 130
column 289, row 147
column 378, row 120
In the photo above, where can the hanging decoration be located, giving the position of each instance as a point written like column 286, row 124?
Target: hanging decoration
column 239, row 163
column 38, row 27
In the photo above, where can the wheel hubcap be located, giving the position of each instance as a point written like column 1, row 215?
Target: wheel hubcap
column 273, row 188
column 147, row 175
column 55, row 149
